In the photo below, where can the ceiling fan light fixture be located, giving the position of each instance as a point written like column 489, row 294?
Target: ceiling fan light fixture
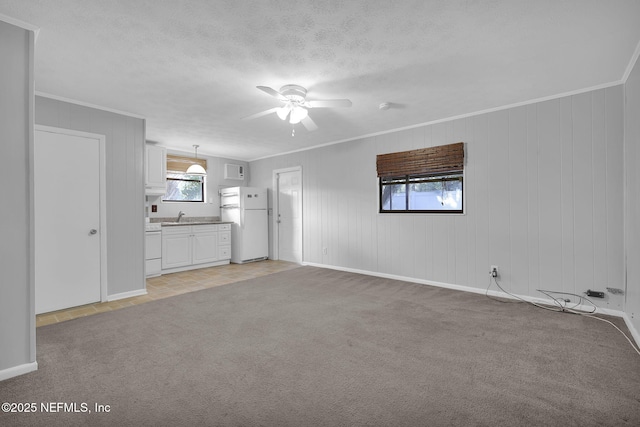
column 283, row 112
column 295, row 105
column 298, row 114
column 196, row 169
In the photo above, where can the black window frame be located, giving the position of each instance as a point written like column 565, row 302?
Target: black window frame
column 202, row 187
column 407, row 180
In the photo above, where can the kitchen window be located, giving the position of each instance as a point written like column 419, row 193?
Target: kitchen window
column 428, row 180
column 183, row 187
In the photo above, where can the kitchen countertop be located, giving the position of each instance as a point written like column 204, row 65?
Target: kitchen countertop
column 173, row 224
column 196, row 220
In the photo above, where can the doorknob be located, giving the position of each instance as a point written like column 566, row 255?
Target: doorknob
column 92, row 231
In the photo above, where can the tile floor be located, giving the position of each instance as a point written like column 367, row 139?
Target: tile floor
column 169, row 285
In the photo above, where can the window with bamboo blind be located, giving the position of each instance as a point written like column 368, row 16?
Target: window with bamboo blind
column 426, row 180
column 182, row 187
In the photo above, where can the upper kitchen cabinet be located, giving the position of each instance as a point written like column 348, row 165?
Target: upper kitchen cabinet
column 156, row 171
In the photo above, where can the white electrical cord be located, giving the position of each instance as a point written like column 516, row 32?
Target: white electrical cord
column 561, row 303
column 619, row 330
column 516, row 297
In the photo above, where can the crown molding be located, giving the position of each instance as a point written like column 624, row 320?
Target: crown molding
column 451, row 118
column 86, row 104
column 21, row 24
column 632, row 63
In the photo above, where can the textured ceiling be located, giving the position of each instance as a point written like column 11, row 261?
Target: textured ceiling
column 191, row 67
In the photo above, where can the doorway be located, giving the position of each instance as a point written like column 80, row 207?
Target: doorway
column 288, row 214
column 69, row 217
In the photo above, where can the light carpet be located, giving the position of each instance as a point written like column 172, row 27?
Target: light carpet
column 318, row 347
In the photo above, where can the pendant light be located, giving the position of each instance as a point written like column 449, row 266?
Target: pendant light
column 196, row 169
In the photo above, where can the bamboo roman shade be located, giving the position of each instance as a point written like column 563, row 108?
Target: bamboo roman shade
column 180, row 164
column 432, row 160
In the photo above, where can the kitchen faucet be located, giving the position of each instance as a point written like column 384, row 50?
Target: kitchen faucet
column 180, row 215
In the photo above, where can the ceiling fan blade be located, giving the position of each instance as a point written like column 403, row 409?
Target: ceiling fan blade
column 329, row 103
column 309, row 124
column 272, row 92
column 262, row 113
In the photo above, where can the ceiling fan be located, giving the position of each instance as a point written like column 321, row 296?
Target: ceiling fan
column 295, row 106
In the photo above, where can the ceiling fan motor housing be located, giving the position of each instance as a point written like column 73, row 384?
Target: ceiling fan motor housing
column 294, row 93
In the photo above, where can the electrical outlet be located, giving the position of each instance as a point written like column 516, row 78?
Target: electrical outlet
column 494, row 271
column 324, row 251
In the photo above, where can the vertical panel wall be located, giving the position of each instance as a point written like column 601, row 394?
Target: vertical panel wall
column 632, row 199
column 125, row 139
column 17, row 318
column 543, row 201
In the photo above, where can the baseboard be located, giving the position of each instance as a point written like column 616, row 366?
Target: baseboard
column 499, row 294
column 124, row 295
column 15, row 371
column 632, row 328
column 414, row 280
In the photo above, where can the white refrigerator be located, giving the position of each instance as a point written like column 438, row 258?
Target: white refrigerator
column 246, row 209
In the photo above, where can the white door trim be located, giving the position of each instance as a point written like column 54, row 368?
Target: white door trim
column 276, row 196
column 103, row 197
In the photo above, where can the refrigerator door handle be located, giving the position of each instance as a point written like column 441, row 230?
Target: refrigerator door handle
column 242, row 219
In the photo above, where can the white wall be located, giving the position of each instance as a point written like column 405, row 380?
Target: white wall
column 125, row 139
column 544, row 194
column 214, row 181
column 17, row 314
column 632, row 206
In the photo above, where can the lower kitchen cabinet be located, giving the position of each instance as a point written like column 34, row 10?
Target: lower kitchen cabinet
column 205, row 246
column 176, row 247
column 186, row 247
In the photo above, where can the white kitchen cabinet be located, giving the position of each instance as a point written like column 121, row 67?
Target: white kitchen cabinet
column 224, row 241
column 176, row 247
column 156, row 170
column 204, row 243
column 185, row 247
column 224, row 252
column 224, row 237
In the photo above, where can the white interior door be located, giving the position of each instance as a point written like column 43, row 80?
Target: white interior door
column 289, row 215
column 67, row 220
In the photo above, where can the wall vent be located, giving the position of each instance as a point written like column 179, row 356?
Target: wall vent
column 233, row 171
